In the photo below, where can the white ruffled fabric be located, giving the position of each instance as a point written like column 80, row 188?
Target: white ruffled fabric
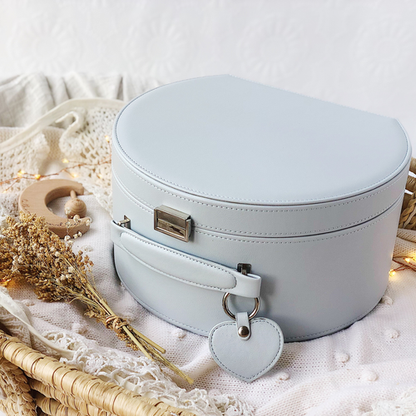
column 362, row 370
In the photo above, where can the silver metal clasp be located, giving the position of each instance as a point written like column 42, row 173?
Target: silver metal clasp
column 172, row 222
column 126, row 223
column 244, row 268
column 243, row 319
column 252, row 314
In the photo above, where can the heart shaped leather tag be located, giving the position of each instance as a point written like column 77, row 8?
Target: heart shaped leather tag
column 246, row 359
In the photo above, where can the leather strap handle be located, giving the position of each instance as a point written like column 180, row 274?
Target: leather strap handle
column 185, row 267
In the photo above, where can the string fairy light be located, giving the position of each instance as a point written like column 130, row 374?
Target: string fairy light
column 23, row 175
column 405, row 262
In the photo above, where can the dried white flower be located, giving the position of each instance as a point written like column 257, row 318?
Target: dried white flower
column 62, row 278
column 87, row 249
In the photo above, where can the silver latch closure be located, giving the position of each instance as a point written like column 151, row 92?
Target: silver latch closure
column 126, row 223
column 172, row 222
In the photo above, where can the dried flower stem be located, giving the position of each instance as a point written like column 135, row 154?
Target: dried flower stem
column 30, row 252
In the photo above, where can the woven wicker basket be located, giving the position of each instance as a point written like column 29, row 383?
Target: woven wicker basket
column 408, row 215
column 31, row 380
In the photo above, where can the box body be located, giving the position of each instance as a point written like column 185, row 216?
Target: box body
column 306, row 192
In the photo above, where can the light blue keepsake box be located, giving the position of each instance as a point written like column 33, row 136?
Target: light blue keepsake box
column 250, row 214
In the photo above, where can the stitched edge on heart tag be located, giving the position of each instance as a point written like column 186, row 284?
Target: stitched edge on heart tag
column 261, row 372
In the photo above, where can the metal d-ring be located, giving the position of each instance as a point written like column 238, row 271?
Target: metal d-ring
column 231, row 315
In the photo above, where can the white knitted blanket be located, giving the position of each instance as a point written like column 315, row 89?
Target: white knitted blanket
column 367, row 369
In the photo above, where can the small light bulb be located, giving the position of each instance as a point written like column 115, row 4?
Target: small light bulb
column 407, row 259
column 99, row 175
column 107, row 138
column 65, row 161
column 37, row 176
column 74, row 175
column 21, row 172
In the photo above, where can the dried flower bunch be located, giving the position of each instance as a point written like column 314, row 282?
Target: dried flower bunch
column 30, row 252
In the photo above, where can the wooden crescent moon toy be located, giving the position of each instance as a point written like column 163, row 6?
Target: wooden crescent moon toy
column 36, row 197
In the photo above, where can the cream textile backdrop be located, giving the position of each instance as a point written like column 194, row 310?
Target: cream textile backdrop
column 357, row 53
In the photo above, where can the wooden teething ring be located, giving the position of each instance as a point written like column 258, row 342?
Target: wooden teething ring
column 36, row 197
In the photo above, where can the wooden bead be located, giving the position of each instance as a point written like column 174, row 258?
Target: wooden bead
column 75, row 207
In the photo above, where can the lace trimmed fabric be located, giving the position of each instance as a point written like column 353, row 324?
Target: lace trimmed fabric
column 143, row 377
column 88, row 141
column 16, row 158
column 83, row 148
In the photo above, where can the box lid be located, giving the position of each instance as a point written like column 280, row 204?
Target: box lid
column 233, row 141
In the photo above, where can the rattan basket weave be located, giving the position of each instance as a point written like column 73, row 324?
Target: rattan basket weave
column 31, row 379
column 408, row 215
